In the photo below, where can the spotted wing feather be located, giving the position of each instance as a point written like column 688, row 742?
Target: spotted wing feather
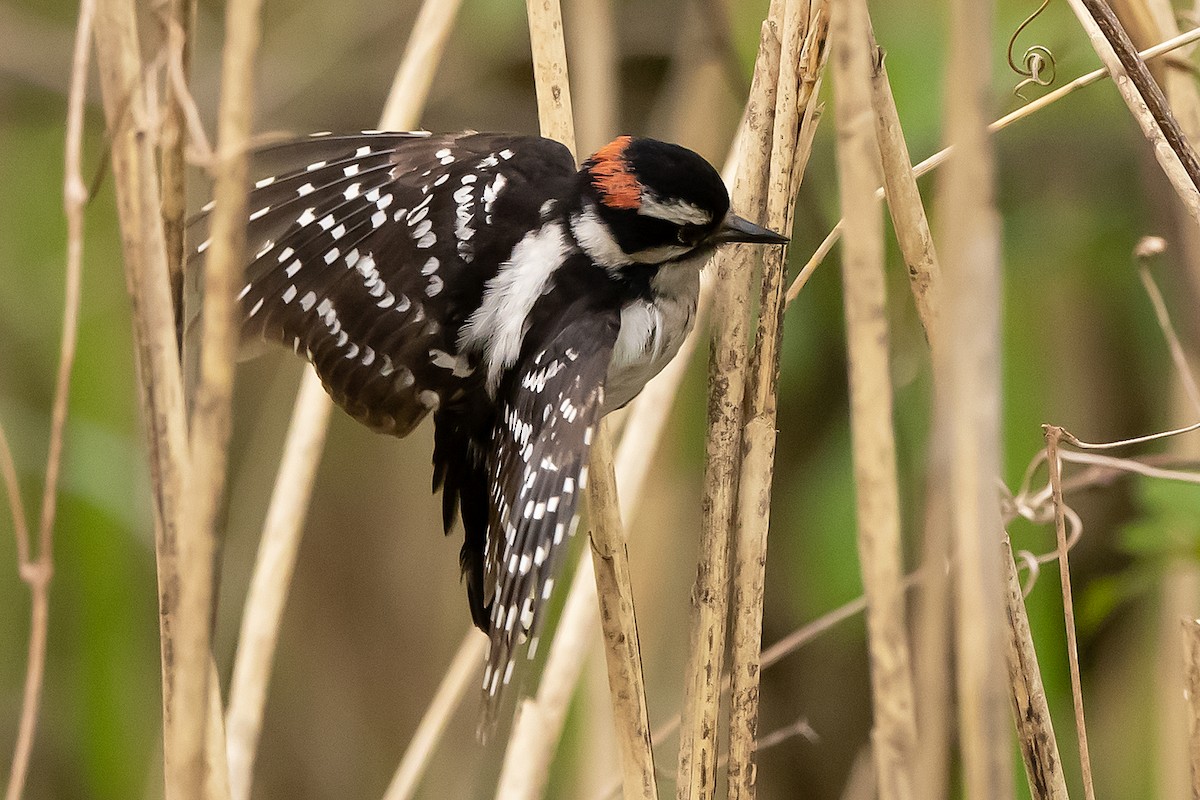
column 553, row 402
column 364, row 252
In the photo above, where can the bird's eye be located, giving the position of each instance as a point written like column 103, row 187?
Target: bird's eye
column 690, row 235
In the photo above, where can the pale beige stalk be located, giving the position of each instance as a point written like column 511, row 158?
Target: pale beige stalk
column 212, row 415
column 893, row 736
column 970, row 401
column 157, row 357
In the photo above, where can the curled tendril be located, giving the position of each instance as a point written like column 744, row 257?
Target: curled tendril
column 1037, row 65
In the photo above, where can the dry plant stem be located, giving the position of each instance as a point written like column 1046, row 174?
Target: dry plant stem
column 302, row 453
column 1035, row 728
column 36, row 571
column 1053, row 437
column 610, row 560
column 591, row 39
column 940, row 157
column 157, row 357
column 1191, row 693
column 727, row 375
column 798, row 66
column 970, row 392
column 178, row 17
column 269, row 584
column 410, row 88
column 1144, row 99
column 462, row 674
column 904, row 200
column 893, row 738
column 550, row 71
column 1178, row 356
column 212, row 416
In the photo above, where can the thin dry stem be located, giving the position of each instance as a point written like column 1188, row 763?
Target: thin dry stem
column 800, row 62
column 1178, row 356
column 727, row 370
column 265, row 599
column 610, row 560
column 1053, row 436
column 591, row 39
column 157, row 357
column 1144, row 99
column 461, row 675
column 212, row 417
column 293, row 486
column 1191, row 693
column 969, row 405
column 937, row 159
column 1035, row 728
column 893, row 737
column 410, row 88
column 37, row 571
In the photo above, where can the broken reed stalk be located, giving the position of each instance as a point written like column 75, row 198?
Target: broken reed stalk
column 1054, row 435
column 284, row 525
column 160, row 387
column 727, row 378
column 1035, row 727
column 1191, row 694
column 212, row 417
column 36, row 570
column 970, row 402
column 800, row 62
column 1144, row 98
column 894, row 734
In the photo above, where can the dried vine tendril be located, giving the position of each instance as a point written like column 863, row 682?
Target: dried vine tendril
column 1037, row 65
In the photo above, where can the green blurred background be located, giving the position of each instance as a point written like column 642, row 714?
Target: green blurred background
column 377, row 610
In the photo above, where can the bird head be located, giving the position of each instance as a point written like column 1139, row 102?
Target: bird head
column 649, row 202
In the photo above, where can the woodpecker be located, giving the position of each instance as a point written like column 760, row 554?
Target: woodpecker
column 487, row 280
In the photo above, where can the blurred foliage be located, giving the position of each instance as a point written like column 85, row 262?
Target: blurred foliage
column 377, row 609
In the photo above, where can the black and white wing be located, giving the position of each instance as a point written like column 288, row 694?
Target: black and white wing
column 366, row 252
column 552, row 404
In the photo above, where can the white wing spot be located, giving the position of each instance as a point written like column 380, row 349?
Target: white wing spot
column 293, row 268
column 435, row 284
column 308, row 301
column 352, row 191
column 306, row 218
column 316, row 165
column 289, row 294
column 264, row 183
column 257, row 307
column 305, row 189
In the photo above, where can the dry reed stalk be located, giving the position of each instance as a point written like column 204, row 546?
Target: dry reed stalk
column 179, row 21
column 591, row 40
column 147, row 279
column 212, row 416
column 1191, row 694
column 801, row 59
column 1145, row 100
column 1053, row 435
column 904, row 200
column 893, row 737
column 263, row 610
column 622, row 651
column 970, row 399
column 410, row 87
column 937, row 159
column 727, row 378
column 1035, row 727
column 461, row 675
column 36, row 570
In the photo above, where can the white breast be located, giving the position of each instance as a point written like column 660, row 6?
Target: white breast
column 652, row 333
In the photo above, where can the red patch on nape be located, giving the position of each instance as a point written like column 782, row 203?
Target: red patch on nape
column 612, row 176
